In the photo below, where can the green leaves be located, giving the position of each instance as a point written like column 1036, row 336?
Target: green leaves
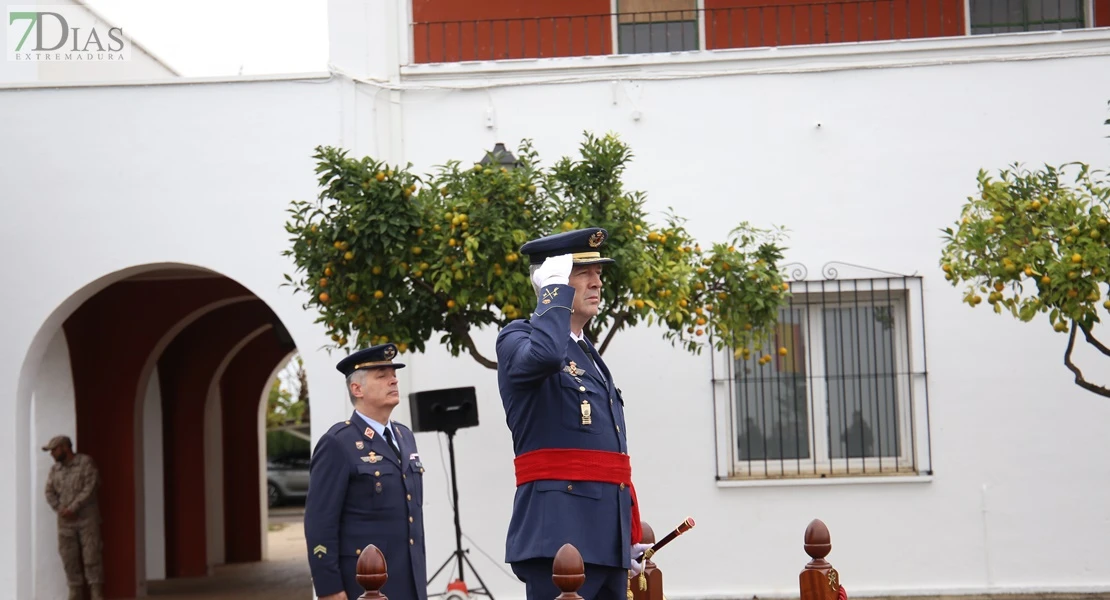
column 1034, row 242
column 387, row 255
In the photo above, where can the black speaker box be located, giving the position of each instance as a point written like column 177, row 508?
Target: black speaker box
column 444, row 410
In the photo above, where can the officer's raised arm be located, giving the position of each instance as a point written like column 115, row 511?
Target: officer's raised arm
column 532, row 353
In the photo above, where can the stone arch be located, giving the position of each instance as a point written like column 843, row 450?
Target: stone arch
column 116, row 332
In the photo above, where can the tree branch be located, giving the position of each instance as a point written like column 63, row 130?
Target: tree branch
column 423, row 284
column 618, row 322
column 462, row 329
column 1092, row 341
column 1079, row 380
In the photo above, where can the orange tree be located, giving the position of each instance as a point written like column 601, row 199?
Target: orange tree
column 1033, row 243
column 387, row 255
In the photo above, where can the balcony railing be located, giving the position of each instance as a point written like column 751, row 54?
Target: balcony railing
column 756, row 23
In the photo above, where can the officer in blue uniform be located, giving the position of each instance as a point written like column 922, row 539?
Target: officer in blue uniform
column 366, row 487
column 567, row 420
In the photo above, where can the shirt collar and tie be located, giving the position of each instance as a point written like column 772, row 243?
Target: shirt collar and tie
column 383, row 430
column 581, row 341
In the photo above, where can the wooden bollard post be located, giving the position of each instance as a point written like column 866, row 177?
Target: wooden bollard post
column 568, row 572
column 819, row 580
column 652, row 574
column 370, row 572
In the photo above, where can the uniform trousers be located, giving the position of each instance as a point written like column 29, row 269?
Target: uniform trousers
column 79, row 545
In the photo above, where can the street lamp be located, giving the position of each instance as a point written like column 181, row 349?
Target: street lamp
column 501, row 156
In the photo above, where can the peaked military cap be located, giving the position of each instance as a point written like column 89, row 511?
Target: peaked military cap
column 584, row 245
column 58, row 440
column 374, row 357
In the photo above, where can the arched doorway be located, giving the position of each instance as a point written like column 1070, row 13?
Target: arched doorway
column 160, row 375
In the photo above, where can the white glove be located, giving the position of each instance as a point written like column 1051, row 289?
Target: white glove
column 635, row 551
column 554, row 270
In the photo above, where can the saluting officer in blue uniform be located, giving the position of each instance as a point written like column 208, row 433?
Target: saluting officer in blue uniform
column 569, row 433
column 366, row 487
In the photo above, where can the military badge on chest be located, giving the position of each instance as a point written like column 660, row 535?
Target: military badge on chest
column 587, row 411
column 573, row 369
column 373, row 458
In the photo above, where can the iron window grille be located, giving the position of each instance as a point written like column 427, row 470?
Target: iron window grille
column 1008, row 16
column 847, row 397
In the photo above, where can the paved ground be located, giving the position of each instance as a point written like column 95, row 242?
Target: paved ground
column 283, row 577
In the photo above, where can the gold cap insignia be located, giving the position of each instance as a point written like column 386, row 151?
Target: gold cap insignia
column 596, row 239
column 390, row 352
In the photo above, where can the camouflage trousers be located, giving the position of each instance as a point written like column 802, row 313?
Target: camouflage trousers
column 80, row 546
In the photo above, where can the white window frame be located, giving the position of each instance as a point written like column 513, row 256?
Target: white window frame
column 904, row 293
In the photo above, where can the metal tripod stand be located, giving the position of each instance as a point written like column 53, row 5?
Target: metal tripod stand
column 459, row 555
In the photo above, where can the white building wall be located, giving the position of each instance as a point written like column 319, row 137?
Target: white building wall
column 893, row 159
column 214, row 474
column 212, row 159
column 154, row 485
column 54, row 414
column 1018, row 499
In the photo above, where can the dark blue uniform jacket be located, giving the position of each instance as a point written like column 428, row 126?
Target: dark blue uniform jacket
column 359, row 494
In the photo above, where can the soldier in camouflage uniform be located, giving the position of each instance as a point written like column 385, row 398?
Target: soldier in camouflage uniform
column 71, row 490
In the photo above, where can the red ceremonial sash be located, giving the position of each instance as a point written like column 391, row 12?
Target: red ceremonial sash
column 580, row 465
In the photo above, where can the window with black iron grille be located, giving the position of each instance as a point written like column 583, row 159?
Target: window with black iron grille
column 645, row 26
column 843, row 389
column 1007, row 16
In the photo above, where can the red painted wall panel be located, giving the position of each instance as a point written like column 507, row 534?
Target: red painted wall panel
column 1102, row 13
column 241, row 388
column 110, row 337
column 453, row 31
column 185, row 370
column 755, row 23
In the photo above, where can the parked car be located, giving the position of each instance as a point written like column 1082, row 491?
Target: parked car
column 286, row 479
